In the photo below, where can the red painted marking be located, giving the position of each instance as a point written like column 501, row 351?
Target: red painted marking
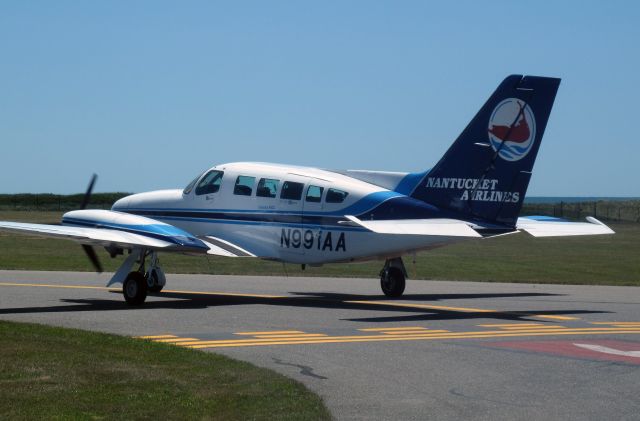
column 570, row 349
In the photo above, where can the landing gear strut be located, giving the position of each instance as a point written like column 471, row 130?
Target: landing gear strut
column 138, row 283
column 392, row 277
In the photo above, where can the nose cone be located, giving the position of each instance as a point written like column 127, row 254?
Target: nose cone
column 122, row 204
column 149, row 200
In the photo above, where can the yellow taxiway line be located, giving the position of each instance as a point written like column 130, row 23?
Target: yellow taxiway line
column 306, row 338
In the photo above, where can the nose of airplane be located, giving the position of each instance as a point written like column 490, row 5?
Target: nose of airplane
column 154, row 199
column 121, row 204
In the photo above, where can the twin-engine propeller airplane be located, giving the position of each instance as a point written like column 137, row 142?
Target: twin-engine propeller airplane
column 312, row 216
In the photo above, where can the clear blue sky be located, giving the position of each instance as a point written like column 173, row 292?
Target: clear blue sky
column 149, row 93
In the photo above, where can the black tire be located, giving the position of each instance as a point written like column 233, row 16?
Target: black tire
column 152, row 282
column 134, row 289
column 392, row 282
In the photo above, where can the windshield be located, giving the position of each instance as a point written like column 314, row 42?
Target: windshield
column 189, row 187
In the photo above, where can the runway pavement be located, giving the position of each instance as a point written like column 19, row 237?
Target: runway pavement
column 446, row 350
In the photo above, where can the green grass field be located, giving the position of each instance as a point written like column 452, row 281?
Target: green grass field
column 113, row 377
column 609, row 260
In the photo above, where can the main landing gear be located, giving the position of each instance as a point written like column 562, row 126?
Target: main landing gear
column 138, row 283
column 393, row 277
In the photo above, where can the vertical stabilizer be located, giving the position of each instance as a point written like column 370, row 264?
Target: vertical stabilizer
column 485, row 173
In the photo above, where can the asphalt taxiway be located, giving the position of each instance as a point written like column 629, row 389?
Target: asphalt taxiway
column 446, row 350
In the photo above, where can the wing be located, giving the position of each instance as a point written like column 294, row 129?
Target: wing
column 555, row 227
column 439, row 227
column 116, row 229
column 536, row 226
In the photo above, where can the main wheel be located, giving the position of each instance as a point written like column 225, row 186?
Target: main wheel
column 392, row 282
column 134, row 289
column 154, row 281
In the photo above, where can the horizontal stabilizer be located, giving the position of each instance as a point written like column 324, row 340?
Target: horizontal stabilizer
column 553, row 227
column 440, row 227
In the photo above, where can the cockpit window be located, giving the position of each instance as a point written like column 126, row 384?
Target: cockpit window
column 336, row 196
column 210, row 183
column 189, row 187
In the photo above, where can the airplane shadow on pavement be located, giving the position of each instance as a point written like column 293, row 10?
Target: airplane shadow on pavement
column 409, row 303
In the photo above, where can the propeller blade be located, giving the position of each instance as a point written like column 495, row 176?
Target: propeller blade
column 87, row 195
column 91, row 254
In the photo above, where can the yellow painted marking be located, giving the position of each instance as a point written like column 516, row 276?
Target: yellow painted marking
column 176, row 340
column 617, row 323
column 532, row 327
column 415, row 332
column 298, row 335
column 511, row 324
column 375, row 338
column 223, row 294
column 16, row 284
column 157, row 337
column 385, row 329
column 273, row 332
column 381, row 338
column 554, row 317
column 425, row 306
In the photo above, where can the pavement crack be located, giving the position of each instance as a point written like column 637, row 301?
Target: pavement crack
column 305, row 370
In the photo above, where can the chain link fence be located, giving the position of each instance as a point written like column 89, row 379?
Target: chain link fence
column 619, row 211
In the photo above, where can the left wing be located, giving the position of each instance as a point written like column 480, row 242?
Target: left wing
column 121, row 230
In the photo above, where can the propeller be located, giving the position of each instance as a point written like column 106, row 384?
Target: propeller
column 87, row 194
column 89, row 250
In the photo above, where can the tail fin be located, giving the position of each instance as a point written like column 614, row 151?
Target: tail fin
column 485, row 173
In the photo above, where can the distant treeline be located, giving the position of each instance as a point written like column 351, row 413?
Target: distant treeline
column 607, row 210
column 56, row 202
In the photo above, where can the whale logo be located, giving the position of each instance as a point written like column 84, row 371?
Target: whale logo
column 512, row 129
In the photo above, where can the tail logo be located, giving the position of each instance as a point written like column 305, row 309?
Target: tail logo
column 512, row 129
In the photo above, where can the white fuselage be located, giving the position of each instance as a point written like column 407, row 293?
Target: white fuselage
column 310, row 230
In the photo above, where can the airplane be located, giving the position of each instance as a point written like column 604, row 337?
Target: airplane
column 312, row 216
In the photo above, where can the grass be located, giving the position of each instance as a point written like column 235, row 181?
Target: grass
column 56, row 373
column 607, row 260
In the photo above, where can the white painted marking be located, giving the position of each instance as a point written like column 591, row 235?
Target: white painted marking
column 607, row 350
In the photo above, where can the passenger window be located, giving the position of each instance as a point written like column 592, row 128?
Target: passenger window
column 267, row 187
column 210, row 183
column 336, row 196
column 314, row 194
column 291, row 190
column 244, row 185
